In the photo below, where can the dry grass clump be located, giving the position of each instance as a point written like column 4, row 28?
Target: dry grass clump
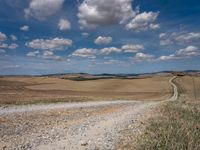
column 177, row 128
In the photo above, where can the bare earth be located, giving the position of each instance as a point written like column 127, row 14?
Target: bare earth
column 71, row 126
column 189, row 87
column 26, row 90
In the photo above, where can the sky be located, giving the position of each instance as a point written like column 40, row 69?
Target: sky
column 98, row 36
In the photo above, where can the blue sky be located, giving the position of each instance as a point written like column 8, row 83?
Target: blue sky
column 98, row 36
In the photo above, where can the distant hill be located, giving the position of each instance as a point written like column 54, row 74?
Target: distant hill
column 82, row 76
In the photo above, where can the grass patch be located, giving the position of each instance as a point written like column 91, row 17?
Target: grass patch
column 46, row 101
column 176, row 128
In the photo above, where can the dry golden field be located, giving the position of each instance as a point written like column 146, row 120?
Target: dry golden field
column 22, row 90
column 189, row 87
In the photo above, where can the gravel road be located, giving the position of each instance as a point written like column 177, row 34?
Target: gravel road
column 71, row 126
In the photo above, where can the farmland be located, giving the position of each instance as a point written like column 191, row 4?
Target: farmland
column 26, row 90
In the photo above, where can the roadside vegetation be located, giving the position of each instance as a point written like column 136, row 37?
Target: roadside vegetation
column 176, row 128
column 175, row 125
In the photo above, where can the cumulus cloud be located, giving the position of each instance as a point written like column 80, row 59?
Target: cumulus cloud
column 3, row 37
column 24, row 28
column 165, row 42
column 7, row 46
column 93, row 13
column 85, row 52
column 64, row 24
column 162, row 35
column 44, row 55
column 166, row 39
column 33, row 54
column 13, row 37
column 3, row 45
column 154, row 26
column 187, row 37
column 13, row 46
column 109, row 50
column 143, row 21
column 139, row 57
column 165, row 58
column 132, row 48
column 178, row 37
column 48, row 53
column 90, row 52
column 188, row 52
column 50, row 44
column 103, row 40
column 41, row 9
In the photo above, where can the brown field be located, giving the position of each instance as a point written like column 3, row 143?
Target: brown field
column 23, row 90
column 189, row 87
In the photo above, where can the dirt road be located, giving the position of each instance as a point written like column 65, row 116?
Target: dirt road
column 75, row 126
column 175, row 89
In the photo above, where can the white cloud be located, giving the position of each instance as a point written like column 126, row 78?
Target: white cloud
column 187, row 37
column 110, row 50
column 53, row 57
column 85, row 52
column 6, row 46
column 111, row 61
column 165, row 58
column 132, row 48
column 33, row 54
column 50, row 44
column 180, row 38
column 103, row 40
column 165, row 39
column 3, row 37
column 48, row 53
column 188, row 52
column 154, row 26
column 64, row 24
column 45, row 55
column 93, row 13
column 164, row 42
column 24, row 28
column 41, row 9
column 162, row 35
column 13, row 46
column 13, row 37
column 85, row 34
column 143, row 21
column 3, row 45
column 139, row 57
column 2, row 51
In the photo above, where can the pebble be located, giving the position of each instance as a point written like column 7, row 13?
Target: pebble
column 84, row 143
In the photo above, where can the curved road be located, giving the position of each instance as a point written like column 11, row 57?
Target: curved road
column 175, row 89
column 79, row 126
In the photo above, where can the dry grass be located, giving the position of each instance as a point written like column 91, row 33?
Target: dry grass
column 178, row 125
column 189, row 87
column 177, row 128
column 25, row 90
column 155, row 84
